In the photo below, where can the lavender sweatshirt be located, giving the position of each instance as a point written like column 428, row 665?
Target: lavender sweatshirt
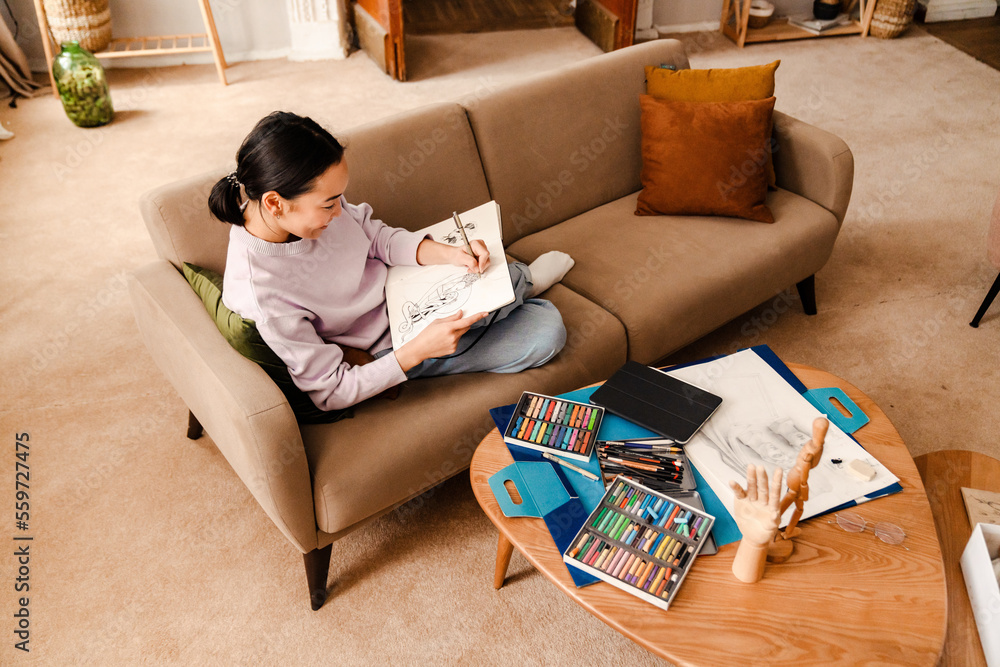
column 309, row 296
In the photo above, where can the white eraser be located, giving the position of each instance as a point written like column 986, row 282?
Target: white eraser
column 861, row 470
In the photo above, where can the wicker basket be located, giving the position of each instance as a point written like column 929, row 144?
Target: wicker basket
column 84, row 21
column 892, row 17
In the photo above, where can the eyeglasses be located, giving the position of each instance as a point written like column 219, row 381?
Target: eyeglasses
column 889, row 533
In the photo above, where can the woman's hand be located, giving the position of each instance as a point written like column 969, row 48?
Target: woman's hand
column 432, row 252
column 439, row 339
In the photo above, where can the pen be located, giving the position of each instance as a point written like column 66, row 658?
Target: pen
column 465, row 239
column 567, row 464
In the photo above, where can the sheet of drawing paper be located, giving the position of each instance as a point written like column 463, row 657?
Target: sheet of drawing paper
column 764, row 421
column 418, row 295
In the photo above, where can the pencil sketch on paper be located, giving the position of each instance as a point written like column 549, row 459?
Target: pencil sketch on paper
column 454, row 237
column 443, row 298
column 765, row 422
column 416, row 295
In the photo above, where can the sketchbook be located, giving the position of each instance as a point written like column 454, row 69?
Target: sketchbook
column 418, row 295
column 764, row 421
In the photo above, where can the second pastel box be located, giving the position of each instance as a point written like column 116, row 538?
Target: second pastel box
column 556, row 425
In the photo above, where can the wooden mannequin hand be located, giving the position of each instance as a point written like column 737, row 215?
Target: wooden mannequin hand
column 756, row 509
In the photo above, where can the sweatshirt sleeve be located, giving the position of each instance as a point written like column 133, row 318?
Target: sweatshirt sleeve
column 318, row 368
column 393, row 245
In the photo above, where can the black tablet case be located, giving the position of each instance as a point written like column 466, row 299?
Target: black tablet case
column 654, row 400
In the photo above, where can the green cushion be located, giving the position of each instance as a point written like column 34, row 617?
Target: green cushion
column 243, row 336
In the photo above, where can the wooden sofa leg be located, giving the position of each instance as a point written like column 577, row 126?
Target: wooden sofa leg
column 990, row 295
column 195, row 429
column 807, row 294
column 317, row 568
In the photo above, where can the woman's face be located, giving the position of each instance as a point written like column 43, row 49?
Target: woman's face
column 310, row 213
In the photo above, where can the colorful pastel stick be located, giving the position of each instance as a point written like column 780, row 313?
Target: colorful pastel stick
column 541, row 432
column 645, row 574
column 581, row 545
column 602, row 553
column 624, row 573
column 657, row 579
column 613, row 563
column 633, row 572
column 548, row 413
column 622, row 562
column 591, row 550
column 619, row 526
column 593, row 418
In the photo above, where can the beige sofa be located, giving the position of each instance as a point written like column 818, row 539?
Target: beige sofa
column 560, row 153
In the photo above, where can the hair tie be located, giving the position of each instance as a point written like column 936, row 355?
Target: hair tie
column 231, row 177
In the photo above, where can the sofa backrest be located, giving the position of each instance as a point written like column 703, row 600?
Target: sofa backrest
column 414, row 169
column 567, row 141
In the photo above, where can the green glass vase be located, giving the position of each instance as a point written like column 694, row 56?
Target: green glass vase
column 82, row 86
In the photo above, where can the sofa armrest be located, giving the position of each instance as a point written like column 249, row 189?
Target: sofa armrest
column 242, row 410
column 813, row 163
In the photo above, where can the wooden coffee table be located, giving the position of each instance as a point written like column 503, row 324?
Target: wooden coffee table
column 842, row 598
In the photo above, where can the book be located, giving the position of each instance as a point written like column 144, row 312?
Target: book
column 818, row 26
column 982, row 506
column 417, row 295
column 655, row 400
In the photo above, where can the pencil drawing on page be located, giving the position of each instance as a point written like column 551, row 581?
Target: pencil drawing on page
column 444, row 297
column 416, row 295
column 454, row 237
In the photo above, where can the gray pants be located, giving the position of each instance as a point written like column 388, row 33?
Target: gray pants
column 524, row 334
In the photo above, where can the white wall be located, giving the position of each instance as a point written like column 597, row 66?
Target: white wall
column 701, row 14
column 248, row 29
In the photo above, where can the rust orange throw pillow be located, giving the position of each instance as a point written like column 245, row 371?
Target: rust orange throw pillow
column 714, row 85
column 705, row 158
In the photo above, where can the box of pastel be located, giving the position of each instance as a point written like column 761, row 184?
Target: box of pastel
column 640, row 541
column 550, row 424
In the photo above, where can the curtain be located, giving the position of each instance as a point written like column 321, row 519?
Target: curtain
column 14, row 66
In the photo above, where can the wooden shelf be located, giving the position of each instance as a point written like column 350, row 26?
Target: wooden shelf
column 159, row 45
column 734, row 24
column 156, row 45
column 779, row 30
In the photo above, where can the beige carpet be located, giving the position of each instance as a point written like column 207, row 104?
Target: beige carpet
column 147, row 547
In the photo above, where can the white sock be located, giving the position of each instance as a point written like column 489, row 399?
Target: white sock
column 547, row 270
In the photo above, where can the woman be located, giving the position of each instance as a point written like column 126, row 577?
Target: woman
column 309, row 268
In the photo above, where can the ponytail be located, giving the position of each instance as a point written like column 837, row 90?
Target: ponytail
column 284, row 153
column 224, row 200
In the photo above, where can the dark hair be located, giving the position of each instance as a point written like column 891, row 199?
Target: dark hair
column 284, row 152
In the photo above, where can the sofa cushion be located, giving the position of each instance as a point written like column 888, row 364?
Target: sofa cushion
column 716, row 85
column 712, row 85
column 391, row 452
column 555, row 145
column 671, row 280
column 705, row 158
column 243, row 336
